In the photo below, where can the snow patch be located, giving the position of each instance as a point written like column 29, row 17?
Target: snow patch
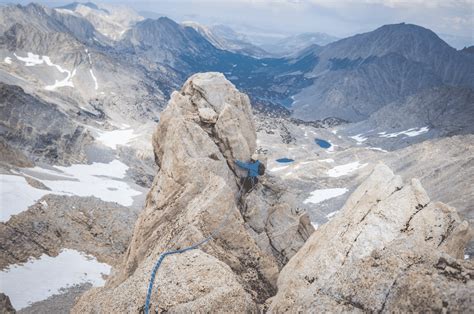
column 113, row 138
column 41, row 278
column 67, row 82
column 30, row 60
column 378, row 149
column 33, row 59
column 410, row 132
column 359, row 138
column 330, row 160
column 97, row 179
column 16, row 195
column 330, row 215
column 278, row 168
column 7, row 60
column 346, row 169
column 96, row 85
column 319, row 196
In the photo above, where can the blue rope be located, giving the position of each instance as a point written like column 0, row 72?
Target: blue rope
column 189, row 248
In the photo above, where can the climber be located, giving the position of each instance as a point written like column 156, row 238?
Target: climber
column 255, row 168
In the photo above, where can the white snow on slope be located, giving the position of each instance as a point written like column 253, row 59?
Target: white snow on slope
column 16, row 195
column 278, row 168
column 410, row 132
column 378, row 149
column 330, row 160
column 346, row 169
column 113, row 138
column 41, row 278
column 359, row 138
column 319, row 196
column 63, row 83
column 96, row 85
column 7, row 60
column 97, row 179
column 32, row 59
column 330, row 215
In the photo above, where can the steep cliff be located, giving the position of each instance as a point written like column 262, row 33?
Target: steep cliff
column 206, row 126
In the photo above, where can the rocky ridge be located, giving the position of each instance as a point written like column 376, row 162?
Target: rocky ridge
column 390, row 248
column 206, row 126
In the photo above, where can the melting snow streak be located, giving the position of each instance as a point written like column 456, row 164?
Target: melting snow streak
column 96, row 85
column 32, row 60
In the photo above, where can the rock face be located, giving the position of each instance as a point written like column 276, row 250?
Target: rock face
column 5, row 305
column 86, row 224
column 38, row 129
column 206, row 126
column 389, row 249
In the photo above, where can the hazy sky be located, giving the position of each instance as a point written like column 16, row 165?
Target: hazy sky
column 336, row 17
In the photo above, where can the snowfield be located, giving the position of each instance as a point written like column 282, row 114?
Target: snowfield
column 101, row 180
column 319, row 196
column 16, row 195
column 410, row 132
column 346, row 169
column 41, row 278
column 113, row 138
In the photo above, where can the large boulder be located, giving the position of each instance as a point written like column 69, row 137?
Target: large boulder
column 389, row 249
column 206, row 126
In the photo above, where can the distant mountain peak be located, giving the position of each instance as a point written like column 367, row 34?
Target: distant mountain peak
column 91, row 5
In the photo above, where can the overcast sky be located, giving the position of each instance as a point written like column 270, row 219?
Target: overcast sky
column 336, row 17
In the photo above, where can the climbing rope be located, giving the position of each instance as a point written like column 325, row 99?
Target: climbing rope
column 189, row 248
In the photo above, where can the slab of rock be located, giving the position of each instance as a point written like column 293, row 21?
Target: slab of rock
column 389, row 249
column 86, row 224
column 194, row 193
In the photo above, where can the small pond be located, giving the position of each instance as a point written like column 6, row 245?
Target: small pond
column 285, row 160
column 322, row 143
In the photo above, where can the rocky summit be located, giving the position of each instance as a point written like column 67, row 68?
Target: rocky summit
column 204, row 129
column 389, row 248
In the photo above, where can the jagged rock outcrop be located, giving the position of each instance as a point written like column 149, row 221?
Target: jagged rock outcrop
column 206, row 126
column 5, row 305
column 390, row 249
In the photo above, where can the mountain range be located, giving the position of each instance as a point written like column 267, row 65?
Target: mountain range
column 350, row 79
column 83, row 86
